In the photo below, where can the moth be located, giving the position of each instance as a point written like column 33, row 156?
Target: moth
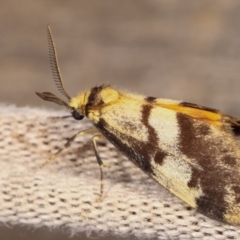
column 191, row 150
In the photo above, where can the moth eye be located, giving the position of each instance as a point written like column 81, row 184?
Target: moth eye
column 76, row 115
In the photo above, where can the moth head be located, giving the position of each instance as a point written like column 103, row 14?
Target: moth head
column 47, row 96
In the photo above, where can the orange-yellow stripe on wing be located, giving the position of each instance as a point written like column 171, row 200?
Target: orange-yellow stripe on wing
column 197, row 113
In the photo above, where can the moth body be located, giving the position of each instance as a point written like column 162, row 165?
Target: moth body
column 191, row 150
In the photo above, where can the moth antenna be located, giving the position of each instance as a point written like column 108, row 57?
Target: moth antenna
column 54, row 64
column 47, row 96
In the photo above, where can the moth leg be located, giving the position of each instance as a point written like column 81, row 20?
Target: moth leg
column 68, row 144
column 61, row 117
column 101, row 164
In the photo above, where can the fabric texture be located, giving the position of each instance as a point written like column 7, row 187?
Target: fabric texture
column 64, row 194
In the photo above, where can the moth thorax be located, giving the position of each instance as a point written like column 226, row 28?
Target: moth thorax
column 79, row 102
column 109, row 95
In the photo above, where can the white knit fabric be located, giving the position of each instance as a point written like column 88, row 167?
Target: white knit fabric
column 64, row 193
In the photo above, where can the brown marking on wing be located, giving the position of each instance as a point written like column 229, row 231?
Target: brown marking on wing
column 150, row 99
column 152, row 135
column 195, row 142
column 160, row 156
column 152, row 149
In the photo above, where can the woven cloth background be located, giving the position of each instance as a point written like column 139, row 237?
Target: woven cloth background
column 64, row 193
